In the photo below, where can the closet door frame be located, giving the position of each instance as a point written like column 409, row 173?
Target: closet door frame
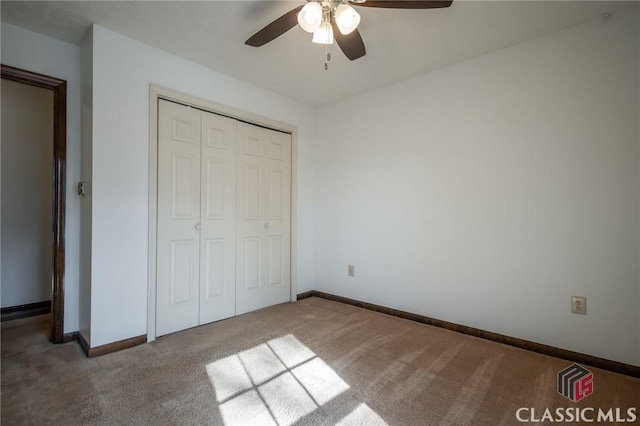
column 155, row 94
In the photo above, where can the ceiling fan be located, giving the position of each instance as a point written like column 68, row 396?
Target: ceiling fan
column 331, row 20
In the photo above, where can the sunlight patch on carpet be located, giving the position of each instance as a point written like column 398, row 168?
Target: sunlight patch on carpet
column 278, row 383
column 320, row 380
column 362, row 415
column 290, row 350
column 261, row 363
column 287, row 399
column 246, row 409
column 229, row 377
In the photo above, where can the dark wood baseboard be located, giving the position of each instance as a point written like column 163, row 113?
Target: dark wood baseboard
column 70, row 337
column 110, row 347
column 605, row 364
column 306, row 294
column 83, row 344
column 24, row 311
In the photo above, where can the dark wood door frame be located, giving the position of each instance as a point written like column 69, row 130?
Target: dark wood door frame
column 59, row 88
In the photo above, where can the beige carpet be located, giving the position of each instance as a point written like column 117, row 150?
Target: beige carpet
column 310, row 362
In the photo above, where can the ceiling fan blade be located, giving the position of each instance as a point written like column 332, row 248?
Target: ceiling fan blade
column 404, row 4
column 275, row 29
column 351, row 44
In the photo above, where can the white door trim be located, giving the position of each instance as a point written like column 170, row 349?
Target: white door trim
column 156, row 92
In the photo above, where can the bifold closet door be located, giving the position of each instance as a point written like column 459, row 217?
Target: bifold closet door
column 223, row 237
column 218, row 218
column 263, row 218
column 196, row 218
column 178, row 241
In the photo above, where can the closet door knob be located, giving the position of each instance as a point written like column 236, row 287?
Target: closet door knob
column 197, row 226
column 266, row 225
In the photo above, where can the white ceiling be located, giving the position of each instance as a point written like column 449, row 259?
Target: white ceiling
column 399, row 43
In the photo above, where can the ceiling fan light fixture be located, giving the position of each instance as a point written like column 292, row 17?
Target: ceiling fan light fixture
column 310, row 17
column 347, row 19
column 324, row 34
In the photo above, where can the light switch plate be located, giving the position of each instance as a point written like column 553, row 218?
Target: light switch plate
column 351, row 270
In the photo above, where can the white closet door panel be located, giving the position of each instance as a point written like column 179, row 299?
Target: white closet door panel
column 252, row 266
column 250, row 225
column 278, row 217
column 213, row 272
column 218, row 218
column 275, row 253
column 178, row 214
column 263, row 225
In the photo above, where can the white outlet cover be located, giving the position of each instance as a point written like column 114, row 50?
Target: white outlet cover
column 579, row 305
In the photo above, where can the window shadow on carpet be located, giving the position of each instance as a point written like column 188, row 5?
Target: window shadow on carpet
column 279, row 382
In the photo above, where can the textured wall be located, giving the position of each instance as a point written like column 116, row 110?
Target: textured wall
column 488, row 192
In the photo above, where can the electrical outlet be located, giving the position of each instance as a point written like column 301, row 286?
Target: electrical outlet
column 351, row 270
column 579, row 305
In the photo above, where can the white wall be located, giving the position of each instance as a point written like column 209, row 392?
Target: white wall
column 35, row 52
column 488, row 192
column 122, row 71
column 27, row 201
column 84, row 318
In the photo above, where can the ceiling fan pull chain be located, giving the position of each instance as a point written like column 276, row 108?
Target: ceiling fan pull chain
column 326, row 64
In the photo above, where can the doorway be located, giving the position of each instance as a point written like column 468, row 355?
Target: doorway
column 58, row 179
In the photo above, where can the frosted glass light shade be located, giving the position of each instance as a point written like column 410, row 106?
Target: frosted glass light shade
column 347, row 19
column 324, row 34
column 310, row 17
